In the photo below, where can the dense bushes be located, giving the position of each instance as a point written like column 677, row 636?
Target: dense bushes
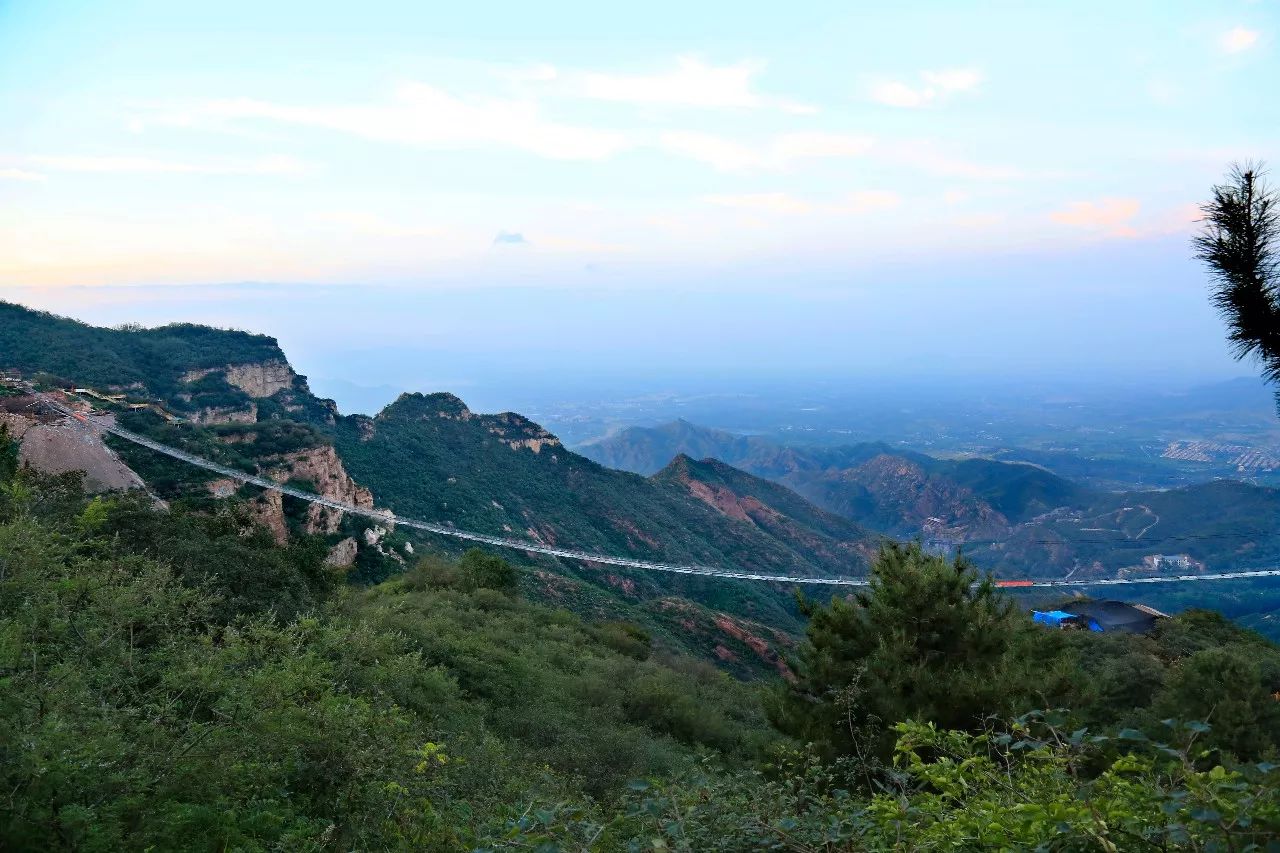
column 168, row 681
column 928, row 641
column 1023, row 787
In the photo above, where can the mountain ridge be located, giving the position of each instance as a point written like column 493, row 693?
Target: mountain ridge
column 1016, row 519
column 235, row 399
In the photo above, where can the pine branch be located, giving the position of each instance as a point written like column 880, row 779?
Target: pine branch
column 1238, row 243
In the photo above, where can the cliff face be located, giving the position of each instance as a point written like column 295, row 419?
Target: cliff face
column 225, row 415
column 774, row 510
column 323, row 470
column 261, row 379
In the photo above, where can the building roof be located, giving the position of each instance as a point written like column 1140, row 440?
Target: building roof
column 1116, row 615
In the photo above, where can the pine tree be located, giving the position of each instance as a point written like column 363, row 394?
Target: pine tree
column 1238, row 244
column 927, row 640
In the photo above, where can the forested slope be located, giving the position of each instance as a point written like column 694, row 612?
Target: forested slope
column 175, row 680
column 429, row 456
column 154, row 359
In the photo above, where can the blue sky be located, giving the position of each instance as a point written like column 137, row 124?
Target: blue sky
column 1001, row 186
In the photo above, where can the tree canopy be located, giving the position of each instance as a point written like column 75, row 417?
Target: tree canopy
column 926, row 640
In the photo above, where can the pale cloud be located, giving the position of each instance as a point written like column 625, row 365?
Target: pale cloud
column 781, row 152
column 692, row 83
column 931, row 87
column 20, row 175
column 1179, row 219
column 867, row 201
column 783, row 203
column 420, row 114
column 510, row 238
column 858, row 202
column 953, row 79
column 377, row 226
column 152, row 165
column 926, row 156
column 1113, row 216
column 955, row 197
column 1238, row 39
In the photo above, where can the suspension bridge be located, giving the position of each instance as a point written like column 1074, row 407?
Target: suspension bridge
column 104, row 425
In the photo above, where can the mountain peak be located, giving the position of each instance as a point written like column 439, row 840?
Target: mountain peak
column 441, row 404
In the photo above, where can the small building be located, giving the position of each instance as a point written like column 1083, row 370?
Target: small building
column 1175, row 562
column 1114, row 616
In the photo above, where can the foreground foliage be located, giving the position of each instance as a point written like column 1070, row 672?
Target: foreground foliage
column 172, row 680
column 1025, row 788
column 141, row 710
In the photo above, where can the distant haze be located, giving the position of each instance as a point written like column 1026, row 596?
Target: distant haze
column 496, row 197
column 1104, row 318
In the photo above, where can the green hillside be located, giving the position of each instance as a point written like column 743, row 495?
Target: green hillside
column 155, row 359
column 169, row 683
column 1017, row 491
column 1015, row 519
column 430, row 457
column 1225, row 525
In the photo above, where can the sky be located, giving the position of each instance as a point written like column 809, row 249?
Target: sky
column 977, row 188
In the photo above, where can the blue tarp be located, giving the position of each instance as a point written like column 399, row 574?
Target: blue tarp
column 1053, row 617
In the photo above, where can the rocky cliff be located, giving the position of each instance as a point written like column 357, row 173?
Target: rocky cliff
column 225, row 415
column 318, row 469
column 260, row 380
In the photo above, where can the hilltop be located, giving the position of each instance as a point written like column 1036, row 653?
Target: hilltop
column 891, row 490
column 430, row 456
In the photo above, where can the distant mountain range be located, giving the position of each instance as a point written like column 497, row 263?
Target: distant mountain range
column 1014, row 518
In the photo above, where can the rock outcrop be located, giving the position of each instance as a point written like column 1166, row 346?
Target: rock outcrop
column 518, row 432
column 268, row 510
column 343, row 554
column 257, row 380
column 321, row 467
column 226, row 415
column 224, row 488
column 373, row 537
